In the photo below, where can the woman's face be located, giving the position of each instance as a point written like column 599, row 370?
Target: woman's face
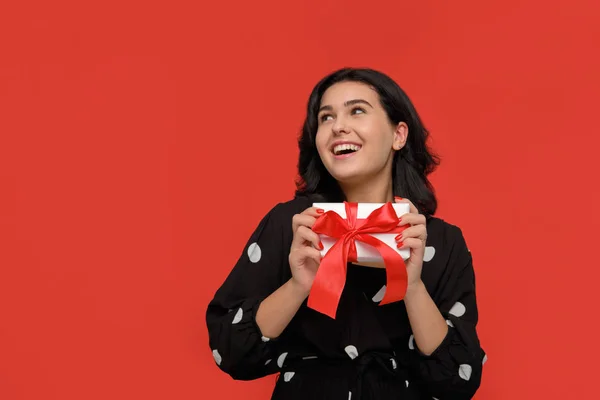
column 355, row 138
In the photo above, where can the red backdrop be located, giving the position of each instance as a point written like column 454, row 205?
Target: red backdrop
column 128, row 130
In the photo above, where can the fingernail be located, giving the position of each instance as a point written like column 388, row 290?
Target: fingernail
column 399, row 220
column 400, row 244
column 321, row 247
column 320, row 211
column 397, row 198
column 398, row 237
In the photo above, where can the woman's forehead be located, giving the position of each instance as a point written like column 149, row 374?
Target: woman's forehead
column 341, row 92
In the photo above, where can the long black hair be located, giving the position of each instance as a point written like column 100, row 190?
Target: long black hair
column 411, row 165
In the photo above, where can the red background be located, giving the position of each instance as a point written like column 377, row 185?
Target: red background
column 127, row 128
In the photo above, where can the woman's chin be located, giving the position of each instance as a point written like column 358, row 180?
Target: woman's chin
column 348, row 177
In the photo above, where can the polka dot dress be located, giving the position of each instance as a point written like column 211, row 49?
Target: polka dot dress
column 369, row 350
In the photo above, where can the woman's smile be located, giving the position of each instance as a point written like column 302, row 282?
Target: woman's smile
column 344, row 149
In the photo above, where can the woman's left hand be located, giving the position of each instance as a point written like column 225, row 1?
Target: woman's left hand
column 414, row 238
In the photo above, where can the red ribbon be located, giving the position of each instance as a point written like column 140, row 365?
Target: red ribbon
column 329, row 282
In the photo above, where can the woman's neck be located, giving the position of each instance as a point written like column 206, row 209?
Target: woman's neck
column 374, row 191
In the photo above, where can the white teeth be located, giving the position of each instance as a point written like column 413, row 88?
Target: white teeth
column 343, row 147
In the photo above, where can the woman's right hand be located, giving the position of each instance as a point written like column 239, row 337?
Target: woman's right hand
column 304, row 255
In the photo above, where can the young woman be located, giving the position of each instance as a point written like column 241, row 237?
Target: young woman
column 362, row 141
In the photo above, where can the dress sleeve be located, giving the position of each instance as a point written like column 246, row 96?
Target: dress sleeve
column 454, row 369
column 237, row 344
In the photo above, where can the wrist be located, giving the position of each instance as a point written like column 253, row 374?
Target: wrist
column 414, row 290
column 297, row 289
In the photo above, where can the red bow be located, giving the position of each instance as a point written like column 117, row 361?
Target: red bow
column 331, row 277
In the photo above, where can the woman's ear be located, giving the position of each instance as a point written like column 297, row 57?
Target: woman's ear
column 400, row 136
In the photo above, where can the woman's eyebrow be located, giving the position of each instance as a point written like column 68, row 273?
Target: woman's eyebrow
column 346, row 104
column 357, row 101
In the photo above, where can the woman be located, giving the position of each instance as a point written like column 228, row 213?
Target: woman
column 362, row 141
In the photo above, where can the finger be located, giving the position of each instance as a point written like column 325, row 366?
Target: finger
column 417, row 231
column 310, row 253
column 304, row 236
column 412, row 243
column 313, row 211
column 301, row 255
column 412, row 219
column 302, row 220
column 413, row 209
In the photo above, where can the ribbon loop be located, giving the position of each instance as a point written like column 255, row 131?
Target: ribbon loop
column 330, row 280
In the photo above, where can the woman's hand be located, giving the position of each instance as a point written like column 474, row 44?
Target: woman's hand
column 413, row 238
column 304, row 255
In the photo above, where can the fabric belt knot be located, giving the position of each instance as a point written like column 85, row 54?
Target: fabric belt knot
column 383, row 362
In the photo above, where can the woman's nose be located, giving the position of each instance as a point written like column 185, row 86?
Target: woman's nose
column 340, row 127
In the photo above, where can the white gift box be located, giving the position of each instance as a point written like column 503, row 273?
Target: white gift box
column 365, row 253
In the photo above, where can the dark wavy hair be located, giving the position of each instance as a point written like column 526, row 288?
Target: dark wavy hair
column 411, row 165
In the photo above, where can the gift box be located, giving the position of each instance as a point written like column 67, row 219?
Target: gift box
column 357, row 232
column 364, row 251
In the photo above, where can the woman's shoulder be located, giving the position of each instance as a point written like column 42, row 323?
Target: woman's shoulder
column 444, row 231
column 287, row 209
column 279, row 218
column 283, row 212
column 445, row 253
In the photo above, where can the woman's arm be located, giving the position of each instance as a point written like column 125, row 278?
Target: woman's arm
column 237, row 344
column 453, row 368
column 428, row 325
column 276, row 311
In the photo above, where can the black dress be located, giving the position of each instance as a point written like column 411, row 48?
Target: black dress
column 368, row 351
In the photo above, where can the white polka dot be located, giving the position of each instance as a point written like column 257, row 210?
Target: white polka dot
column 429, row 253
column 406, row 383
column 394, row 365
column 264, row 339
column 379, row 295
column 351, row 351
column 288, row 376
column 309, row 357
column 411, row 342
column 458, row 309
column 268, row 361
column 465, row 371
column 484, row 359
column 449, row 323
column 254, row 252
column 435, row 398
column 217, row 357
column 349, row 395
column 238, row 316
column 281, row 359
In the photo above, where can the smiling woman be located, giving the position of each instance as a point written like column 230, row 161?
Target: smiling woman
column 362, row 141
column 372, row 111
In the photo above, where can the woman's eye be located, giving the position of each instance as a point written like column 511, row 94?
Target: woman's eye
column 325, row 117
column 358, row 110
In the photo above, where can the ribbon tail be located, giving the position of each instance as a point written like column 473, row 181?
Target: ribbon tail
column 395, row 270
column 330, row 280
